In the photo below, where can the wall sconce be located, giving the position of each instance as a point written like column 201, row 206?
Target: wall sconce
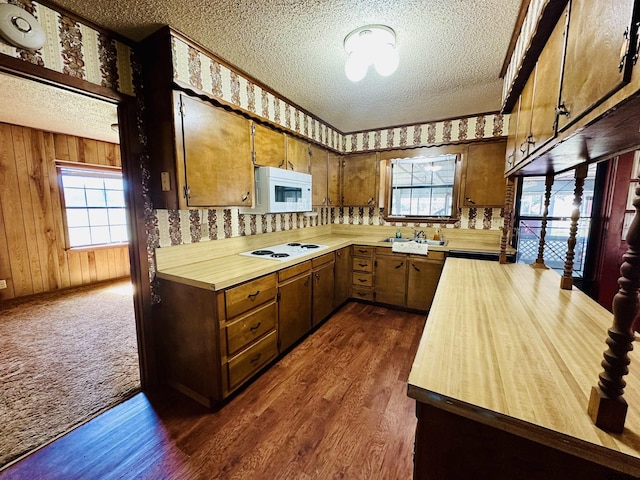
column 371, row 44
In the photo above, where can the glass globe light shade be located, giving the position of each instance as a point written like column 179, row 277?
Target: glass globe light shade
column 356, row 66
column 386, row 60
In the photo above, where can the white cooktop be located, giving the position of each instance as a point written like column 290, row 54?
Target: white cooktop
column 285, row 251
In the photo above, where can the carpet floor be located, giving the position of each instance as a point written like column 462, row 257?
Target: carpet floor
column 64, row 357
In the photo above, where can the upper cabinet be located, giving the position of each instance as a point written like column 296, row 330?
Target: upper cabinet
column 483, row 183
column 360, row 180
column 577, row 78
column 269, row 146
column 297, row 155
column 215, row 155
column 319, row 175
column 334, row 169
column 596, row 64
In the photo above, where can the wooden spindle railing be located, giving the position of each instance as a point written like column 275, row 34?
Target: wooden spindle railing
column 508, row 219
column 548, row 183
column 607, row 406
column 566, row 282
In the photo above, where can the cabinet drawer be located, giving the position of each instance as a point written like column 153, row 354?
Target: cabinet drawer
column 362, row 279
column 294, row 271
column 245, row 330
column 363, row 251
column 322, row 259
column 362, row 293
column 249, row 295
column 246, row 363
column 363, row 264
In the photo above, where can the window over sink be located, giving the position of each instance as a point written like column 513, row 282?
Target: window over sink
column 422, row 187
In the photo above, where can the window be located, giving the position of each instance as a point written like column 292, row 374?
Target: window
column 422, row 186
column 530, row 217
column 94, row 206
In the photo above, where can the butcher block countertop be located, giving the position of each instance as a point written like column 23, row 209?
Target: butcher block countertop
column 216, row 265
column 505, row 346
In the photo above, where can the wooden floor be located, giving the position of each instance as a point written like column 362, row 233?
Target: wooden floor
column 334, row 407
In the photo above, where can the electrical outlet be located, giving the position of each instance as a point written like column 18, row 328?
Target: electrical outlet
column 3, row 284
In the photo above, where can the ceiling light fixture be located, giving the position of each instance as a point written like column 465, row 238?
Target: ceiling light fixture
column 371, row 44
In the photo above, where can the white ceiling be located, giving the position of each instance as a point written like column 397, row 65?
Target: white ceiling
column 451, row 51
column 32, row 104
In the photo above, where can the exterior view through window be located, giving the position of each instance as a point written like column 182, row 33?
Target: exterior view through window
column 559, row 220
column 422, row 186
column 94, row 206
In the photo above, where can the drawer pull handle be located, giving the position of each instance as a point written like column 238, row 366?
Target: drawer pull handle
column 362, row 251
column 362, row 294
column 281, row 163
column 256, row 326
column 363, row 280
column 246, row 196
column 253, row 295
column 317, row 275
column 306, row 282
column 255, row 358
column 362, row 264
column 399, row 265
column 291, row 164
column 415, row 268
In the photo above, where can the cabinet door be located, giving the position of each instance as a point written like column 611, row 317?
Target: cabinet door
column 334, row 196
column 422, row 282
column 510, row 159
column 343, row 276
column 391, row 279
column 319, row 157
column 297, row 155
column 523, row 128
column 484, row 183
column 323, row 286
column 547, row 86
column 269, row 146
column 294, row 319
column 217, row 156
column 360, row 180
column 594, row 68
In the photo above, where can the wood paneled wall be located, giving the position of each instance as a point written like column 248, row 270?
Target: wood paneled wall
column 33, row 258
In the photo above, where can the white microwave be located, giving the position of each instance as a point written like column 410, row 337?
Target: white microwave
column 280, row 191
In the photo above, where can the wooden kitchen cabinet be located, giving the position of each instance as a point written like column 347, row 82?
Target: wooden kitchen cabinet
column 294, row 317
column 297, row 155
column 334, row 190
column 323, row 287
column 510, row 159
column 209, row 160
column 269, row 146
column 422, row 280
column 360, row 180
column 594, row 66
column 362, row 272
column 319, row 175
column 523, row 128
column 390, row 277
column 343, row 272
column 483, row 183
column 213, row 342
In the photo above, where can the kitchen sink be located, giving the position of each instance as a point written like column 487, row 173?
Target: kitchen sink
column 417, row 240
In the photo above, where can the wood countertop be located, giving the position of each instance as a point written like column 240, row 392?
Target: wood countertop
column 216, row 265
column 505, row 346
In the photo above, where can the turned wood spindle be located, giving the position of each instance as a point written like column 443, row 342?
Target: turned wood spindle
column 548, row 183
column 566, row 281
column 607, row 407
column 508, row 219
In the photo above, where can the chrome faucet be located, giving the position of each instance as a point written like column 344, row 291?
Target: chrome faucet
column 419, row 234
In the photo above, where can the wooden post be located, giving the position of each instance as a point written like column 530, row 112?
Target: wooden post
column 539, row 263
column 566, row 281
column 508, row 219
column 607, row 407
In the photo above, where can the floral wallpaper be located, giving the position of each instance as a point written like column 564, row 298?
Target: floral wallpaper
column 75, row 50
column 176, row 227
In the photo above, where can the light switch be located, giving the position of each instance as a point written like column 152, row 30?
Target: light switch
column 165, row 181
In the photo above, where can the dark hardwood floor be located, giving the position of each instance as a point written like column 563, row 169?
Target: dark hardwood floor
column 334, row 407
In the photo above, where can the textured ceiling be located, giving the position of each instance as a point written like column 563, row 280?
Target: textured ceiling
column 36, row 105
column 451, row 51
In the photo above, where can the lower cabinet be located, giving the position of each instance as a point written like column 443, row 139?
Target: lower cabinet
column 323, row 287
column 294, row 317
column 422, row 281
column 342, row 282
column 391, row 278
